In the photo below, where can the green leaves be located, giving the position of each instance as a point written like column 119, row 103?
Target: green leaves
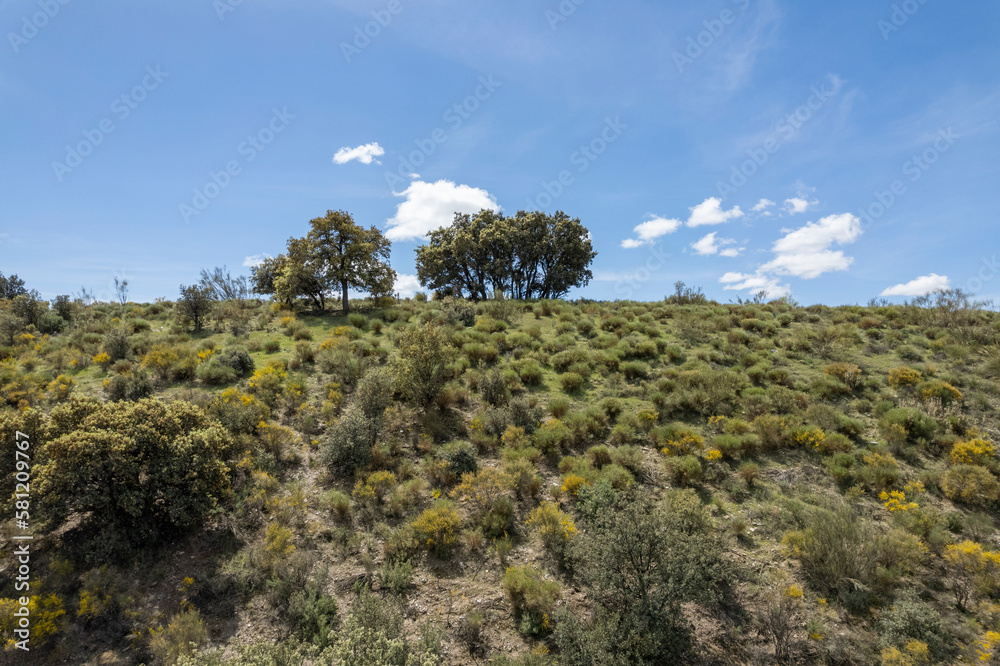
column 530, row 255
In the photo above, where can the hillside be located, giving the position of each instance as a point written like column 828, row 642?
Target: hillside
column 505, row 482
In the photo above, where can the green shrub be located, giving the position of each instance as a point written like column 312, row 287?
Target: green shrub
column 843, row 554
column 461, row 456
column 911, row 619
column 180, row 638
column 128, row 387
column 559, row 406
column 216, row 373
column 531, row 598
column 396, row 576
column 683, row 470
column 238, row 359
column 313, row 614
column 633, row 370
column 971, row 484
column 349, row 445
column 117, row 344
column 572, row 382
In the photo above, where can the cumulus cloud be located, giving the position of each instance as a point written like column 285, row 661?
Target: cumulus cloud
column 255, row 260
column 710, row 211
column 709, row 245
column 650, row 230
column 406, row 285
column 762, row 205
column 365, row 154
column 805, row 252
column 920, row 286
column 795, row 205
column 427, row 206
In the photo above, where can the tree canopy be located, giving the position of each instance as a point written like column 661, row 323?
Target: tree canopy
column 529, row 255
column 336, row 255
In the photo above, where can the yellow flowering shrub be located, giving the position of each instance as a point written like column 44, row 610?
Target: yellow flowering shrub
column 848, row 373
column 102, row 359
column 811, row 437
column 572, row 483
column 895, row 500
column 437, row 527
column 973, row 452
column 374, row 489
column 973, row 570
column 684, row 442
column 916, row 653
column 60, row 388
column 160, row 359
column 555, row 526
column 904, row 377
column 46, row 615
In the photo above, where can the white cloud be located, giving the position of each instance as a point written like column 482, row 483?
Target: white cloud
column 710, row 211
column 711, row 245
column 632, row 243
column 255, row 260
column 796, row 205
column 431, row 205
column 763, row 204
column 365, row 154
column 919, row 286
column 655, row 227
column 406, row 285
column 755, row 282
column 805, row 252
column 731, row 252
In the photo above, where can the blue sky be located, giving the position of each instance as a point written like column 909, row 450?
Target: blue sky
column 831, row 151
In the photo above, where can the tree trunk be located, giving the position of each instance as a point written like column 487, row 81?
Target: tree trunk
column 343, row 285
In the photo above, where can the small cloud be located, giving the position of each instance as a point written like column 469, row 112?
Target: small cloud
column 406, row 285
column 762, row 205
column 920, row 286
column 428, row 206
column 795, row 206
column 365, row 154
column 255, row 260
column 731, row 252
column 710, row 211
column 650, row 230
column 711, row 245
column 755, row 282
